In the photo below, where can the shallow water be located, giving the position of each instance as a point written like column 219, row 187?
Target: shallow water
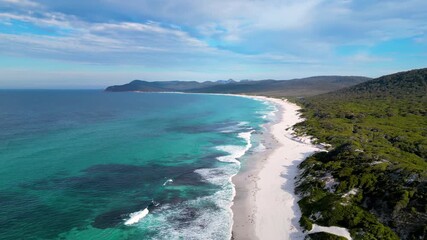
column 96, row 165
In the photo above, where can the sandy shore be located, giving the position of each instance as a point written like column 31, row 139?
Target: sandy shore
column 265, row 206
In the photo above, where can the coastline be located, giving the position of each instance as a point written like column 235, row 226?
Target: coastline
column 265, row 205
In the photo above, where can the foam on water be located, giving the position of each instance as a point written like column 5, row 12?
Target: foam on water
column 240, row 124
column 260, row 148
column 210, row 221
column 225, row 196
column 206, row 217
column 269, row 112
column 234, row 151
column 136, row 217
column 235, row 128
column 167, row 182
column 217, row 176
column 212, row 213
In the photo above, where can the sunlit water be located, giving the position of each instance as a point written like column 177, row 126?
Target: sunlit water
column 96, row 165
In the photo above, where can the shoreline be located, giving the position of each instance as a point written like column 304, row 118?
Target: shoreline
column 265, row 205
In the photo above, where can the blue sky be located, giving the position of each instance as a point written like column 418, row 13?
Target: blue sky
column 94, row 43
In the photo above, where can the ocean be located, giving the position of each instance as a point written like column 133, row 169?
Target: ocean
column 87, row 164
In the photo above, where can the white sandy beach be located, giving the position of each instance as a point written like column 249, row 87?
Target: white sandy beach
column 266, row 206
column 277, row 211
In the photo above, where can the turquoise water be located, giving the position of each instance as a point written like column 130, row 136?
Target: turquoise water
column 96, row 165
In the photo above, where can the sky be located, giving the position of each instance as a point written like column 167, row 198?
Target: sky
column 96, row 43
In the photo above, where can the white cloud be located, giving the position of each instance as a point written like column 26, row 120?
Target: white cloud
column 270, row 38
column 97, row 42
column 364, row 57
column 46, row 19
column 24, row 3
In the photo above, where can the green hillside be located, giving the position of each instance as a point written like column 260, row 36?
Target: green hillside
column 286, row 88
column 373, row 179
column 276, row 88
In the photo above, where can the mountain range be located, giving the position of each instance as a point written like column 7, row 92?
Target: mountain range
column 278, row 88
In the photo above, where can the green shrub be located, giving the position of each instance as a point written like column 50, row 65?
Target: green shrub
column 306, row 223
column 324, row 236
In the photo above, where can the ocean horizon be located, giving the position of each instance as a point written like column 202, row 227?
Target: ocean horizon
column 86, row 164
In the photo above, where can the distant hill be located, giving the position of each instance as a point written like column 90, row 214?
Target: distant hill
column 378, row 159
column 278, row 88
column 286, row 88
column 160, row 86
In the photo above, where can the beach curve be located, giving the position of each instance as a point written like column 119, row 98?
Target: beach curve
column 266, row 205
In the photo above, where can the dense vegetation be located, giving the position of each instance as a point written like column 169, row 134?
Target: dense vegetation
column 323, row 236
column 277, row 88
column 373, row 178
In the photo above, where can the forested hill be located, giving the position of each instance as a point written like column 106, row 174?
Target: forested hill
column 373, row 179
column 277, row 88
column 410, row 84
column 160, row 86
column 406, row 86
column 286, row 88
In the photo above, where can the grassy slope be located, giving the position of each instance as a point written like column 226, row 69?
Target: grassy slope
column 378, row 130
